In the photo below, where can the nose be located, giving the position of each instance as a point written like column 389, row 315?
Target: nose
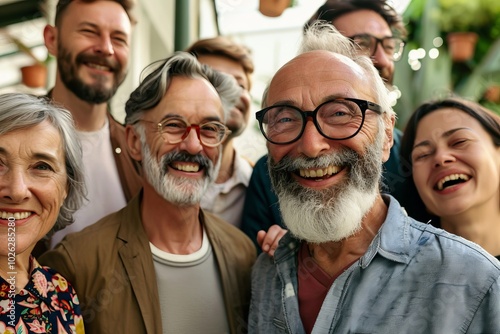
column 192, row 142
column 380, row 58
column 104, row 46
column 312, row 143
column 443, row 157
column 14, row 187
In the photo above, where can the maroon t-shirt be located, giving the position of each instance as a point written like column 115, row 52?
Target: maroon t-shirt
column 313, row 285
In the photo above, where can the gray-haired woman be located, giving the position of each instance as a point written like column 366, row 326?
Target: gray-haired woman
column 41, row 185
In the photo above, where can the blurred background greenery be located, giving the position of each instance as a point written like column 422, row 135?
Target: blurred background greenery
column 428, row 68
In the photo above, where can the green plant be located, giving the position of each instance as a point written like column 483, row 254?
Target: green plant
column 27, row 50
column 466, row 15
column 438, row 77
column 461, row 15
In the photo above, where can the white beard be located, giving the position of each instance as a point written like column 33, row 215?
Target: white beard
column 319, row 216
column 335, row 221
column 182, row 191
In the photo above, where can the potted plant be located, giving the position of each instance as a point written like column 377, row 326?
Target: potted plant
column 462, row 21
column 34, row 75
column 439, row 76
column 274, row 8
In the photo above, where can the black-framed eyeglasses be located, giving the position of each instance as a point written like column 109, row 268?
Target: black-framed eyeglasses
column 337, row 119
column 175, row 130
column 393, row 46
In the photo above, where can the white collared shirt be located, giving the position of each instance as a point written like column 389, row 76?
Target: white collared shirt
column 226, row 199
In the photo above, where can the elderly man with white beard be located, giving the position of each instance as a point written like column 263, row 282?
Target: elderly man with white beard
column 161, row 264
column 353, row 261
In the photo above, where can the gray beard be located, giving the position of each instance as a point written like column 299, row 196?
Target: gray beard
column 334, row 214
column 182, row 191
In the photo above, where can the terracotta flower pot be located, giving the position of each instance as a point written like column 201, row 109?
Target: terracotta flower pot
column 461, row 45
column 273, row 8
column 492, row 94
column 34, row 76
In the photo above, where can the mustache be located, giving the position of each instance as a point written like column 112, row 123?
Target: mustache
column 345, row 157
column 170, row 157
column 96, row 59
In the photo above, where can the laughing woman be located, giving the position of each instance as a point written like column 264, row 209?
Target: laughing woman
column 41, row 185
column 452, row 152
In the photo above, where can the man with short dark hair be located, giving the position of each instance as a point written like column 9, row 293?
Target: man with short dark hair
column 91, row 42
column 373, row 24
column 226, row 196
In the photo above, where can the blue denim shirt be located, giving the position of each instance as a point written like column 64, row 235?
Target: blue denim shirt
column 413, row 278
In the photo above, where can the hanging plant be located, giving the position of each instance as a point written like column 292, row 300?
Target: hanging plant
column 274, row 8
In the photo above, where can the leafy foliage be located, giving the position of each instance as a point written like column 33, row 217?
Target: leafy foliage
column 427, row 20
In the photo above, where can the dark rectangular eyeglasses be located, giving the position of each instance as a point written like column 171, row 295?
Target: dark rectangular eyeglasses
column 367, row 44
column 336, row 119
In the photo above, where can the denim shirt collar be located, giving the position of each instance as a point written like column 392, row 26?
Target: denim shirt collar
column 391, row 241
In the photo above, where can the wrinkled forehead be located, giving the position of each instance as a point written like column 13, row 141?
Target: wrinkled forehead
column 317, row 73
column 190, row 96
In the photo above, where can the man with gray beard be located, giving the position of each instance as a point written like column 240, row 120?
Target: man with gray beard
column 161, row 264
column 378, row 31
column 353, row 261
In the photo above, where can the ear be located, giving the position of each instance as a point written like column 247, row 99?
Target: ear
column 134, row 145
column 66, row 192
column 389, row 121
column 50, row 37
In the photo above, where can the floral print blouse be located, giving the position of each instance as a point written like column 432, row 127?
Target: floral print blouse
column 47, row 304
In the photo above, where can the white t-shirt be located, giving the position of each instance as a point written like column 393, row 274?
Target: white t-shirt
column 104, row 190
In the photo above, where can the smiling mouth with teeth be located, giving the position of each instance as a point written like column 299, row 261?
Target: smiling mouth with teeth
column 190, row 168
column 16, row 215
column 99, row 67
column 451, row 180
column 319, row 172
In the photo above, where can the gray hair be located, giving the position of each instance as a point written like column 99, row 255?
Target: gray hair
column 21, row 111
column 323, row 36
column 154, row 86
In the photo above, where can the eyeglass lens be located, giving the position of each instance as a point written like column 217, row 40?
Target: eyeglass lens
column 338, row 119
column 392, row 46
